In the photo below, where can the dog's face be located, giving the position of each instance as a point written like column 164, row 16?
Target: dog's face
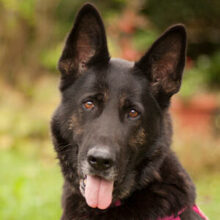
column 113, row 112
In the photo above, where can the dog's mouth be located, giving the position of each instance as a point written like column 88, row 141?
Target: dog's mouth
column 97, row 191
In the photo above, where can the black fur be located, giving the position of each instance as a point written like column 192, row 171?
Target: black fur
column 148, row 178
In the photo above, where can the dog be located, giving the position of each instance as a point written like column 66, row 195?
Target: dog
column 112, row 130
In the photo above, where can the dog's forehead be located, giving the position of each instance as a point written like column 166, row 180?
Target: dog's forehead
column 121, row 64
column 121, row 77
column 119, row 69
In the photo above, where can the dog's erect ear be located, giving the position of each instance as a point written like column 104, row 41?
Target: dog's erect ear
column 164, row 62
column 86, row 43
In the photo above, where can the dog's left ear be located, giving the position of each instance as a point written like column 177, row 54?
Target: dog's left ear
column 164, row 62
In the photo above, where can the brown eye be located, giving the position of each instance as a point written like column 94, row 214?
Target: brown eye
column 133, row 113
column 89, row 105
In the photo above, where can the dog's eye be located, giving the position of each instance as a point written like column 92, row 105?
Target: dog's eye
column 133, row 114
column 88, row 105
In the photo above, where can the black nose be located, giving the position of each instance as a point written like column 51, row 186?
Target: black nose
column 100, row 159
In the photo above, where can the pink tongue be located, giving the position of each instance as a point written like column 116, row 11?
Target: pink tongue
column 98, row 192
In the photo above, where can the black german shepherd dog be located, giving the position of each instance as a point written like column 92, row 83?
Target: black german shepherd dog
column 112, row 130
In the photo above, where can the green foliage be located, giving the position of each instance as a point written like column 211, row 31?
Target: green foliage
column 24, row 8
column 50, row 57
column 34, row 32
column 186, row 11
column 144, row 38
column 30, row 179
column 193, row 82
column 29, row 187
column 203, row 74
column 208, row 192
column 210, row 65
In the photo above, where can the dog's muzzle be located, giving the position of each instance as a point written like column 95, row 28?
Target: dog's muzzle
column 97, row 185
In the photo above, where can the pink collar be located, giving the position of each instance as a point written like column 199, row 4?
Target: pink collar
column 117, row 203
column 172, row 217
column 195, row 208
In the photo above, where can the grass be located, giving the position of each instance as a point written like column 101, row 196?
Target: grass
column 29, row 189
column 208, row 191
column 30, row 178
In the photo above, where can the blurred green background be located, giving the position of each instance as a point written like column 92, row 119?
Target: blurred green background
column 32, row 34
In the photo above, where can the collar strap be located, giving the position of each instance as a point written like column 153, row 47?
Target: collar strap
column 195, row 208
column 117, row 203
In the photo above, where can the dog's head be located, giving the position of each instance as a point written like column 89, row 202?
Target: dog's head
column 113, row 122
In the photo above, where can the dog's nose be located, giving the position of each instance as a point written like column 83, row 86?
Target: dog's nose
column 100, row 159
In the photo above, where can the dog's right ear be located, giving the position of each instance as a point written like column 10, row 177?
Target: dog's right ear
column 86, row 44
